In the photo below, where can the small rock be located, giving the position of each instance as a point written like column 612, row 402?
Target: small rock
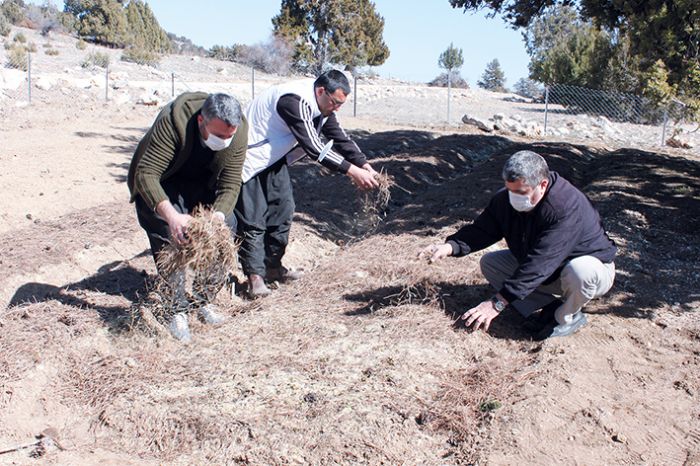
column 29, row 216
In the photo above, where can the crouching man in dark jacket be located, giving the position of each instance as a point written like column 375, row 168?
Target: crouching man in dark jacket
column 558, row 258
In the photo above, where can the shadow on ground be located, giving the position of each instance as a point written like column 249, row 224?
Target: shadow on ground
column 110, row 292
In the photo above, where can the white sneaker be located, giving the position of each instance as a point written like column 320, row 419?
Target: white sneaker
column 179, row 328
column 211, row 315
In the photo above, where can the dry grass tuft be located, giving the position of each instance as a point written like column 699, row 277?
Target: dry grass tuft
column 209, row 247
column 467, row 403
column 200, row 266
column 373, row 203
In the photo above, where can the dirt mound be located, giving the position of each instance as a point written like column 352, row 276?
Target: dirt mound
column 358, row 362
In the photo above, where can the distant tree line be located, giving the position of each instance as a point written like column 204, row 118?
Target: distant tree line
column 650, row 48
column 308, row 36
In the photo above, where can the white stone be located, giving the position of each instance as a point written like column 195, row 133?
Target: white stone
column 149, row 98
column 12, row 79
column 478, row 122
column 118, row 84
column 121, row 99
column 43, row 83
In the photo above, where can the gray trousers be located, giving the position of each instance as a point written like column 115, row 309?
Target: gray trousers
column 264, row 211
column 582, row 279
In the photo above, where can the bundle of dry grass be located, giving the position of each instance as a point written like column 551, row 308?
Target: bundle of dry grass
column 195, row 270
column 373, row 204
column 209, row 246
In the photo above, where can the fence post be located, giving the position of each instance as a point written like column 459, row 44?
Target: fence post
column 252, row 81
column 29, row 76
column 107, row 83
column 449, row 94
column 354, row 99
column 546, row 105
column 172, row 84
column 663, row 131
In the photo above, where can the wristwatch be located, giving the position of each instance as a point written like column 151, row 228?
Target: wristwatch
column 498, row 305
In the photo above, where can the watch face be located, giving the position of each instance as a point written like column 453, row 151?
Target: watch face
column 498, row 304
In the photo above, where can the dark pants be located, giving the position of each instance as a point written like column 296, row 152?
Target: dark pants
column 264, row 213
column 184, row 195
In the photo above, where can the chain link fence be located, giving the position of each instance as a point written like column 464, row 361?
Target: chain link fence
column 618, row 115
column 61, row 72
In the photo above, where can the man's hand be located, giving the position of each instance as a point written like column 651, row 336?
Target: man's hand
column 178, row 227
column 177, row 222
column 363, row 179
column 435, row 252
column 369, row 168
column 480, row 315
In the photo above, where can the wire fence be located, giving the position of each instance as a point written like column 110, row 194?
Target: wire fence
column 54, row 72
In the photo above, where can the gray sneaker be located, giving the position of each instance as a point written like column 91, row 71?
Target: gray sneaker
column 179, row 328
column 553, row 330
column 211, row 315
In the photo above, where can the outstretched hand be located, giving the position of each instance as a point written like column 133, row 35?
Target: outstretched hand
column 362, row 178
column 480, row 315
column 435, row 252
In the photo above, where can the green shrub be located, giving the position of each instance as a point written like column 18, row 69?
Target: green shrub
column 20, row 37
column 140, row 56
column 51, row 52
column 30, row 47
column 12, row 10
column 81, row 45
column 5, row 28
column 98, row 59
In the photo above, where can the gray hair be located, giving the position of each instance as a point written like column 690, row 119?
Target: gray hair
column 527, row 166
column 224, row 107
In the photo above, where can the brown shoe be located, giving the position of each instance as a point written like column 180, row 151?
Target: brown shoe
column 283, row 274
column 257, row 287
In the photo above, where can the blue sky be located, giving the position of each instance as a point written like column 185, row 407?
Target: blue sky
column 416, row 31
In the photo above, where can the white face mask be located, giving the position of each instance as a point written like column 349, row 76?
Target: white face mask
column 216, row 144
column 520, row 202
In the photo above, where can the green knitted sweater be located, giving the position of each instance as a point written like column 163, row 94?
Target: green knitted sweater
column 168, row 144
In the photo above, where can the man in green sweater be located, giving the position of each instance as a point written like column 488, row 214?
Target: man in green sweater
column 193, row 154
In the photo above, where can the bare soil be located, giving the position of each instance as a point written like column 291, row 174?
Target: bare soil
column 359, row 361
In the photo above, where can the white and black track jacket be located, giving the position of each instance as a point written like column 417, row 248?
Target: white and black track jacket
column 286, row 116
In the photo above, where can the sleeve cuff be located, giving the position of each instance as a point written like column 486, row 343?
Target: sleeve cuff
column 510, row 297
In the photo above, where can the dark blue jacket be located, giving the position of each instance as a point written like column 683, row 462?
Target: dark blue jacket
column 562, row 226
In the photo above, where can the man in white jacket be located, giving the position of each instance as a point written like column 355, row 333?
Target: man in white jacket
column 285, row 124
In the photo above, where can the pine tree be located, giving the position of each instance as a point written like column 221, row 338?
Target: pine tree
column 527, row 88
column 347, row 32
column 103, row 21
column 493, row 79
column 144, row 30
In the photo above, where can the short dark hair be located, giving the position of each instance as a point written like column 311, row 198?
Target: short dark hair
column 333, row 80
column 527, row 166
